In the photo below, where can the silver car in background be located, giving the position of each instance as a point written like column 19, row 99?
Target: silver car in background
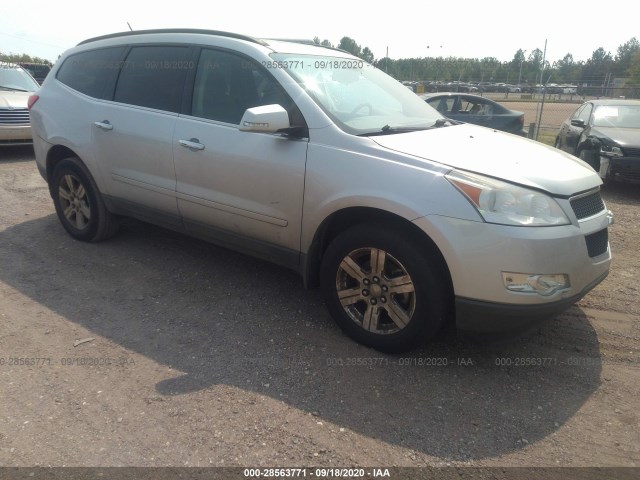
column 311, row 158
column 16, row 85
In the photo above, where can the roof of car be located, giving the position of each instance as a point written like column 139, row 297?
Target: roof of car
column 457, row 94
column 277, row 44
column 175, row 30
column 615, row 101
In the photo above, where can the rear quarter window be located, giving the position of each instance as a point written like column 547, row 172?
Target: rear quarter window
column 91, row 72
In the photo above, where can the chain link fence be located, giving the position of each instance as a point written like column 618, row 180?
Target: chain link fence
column 545, row 109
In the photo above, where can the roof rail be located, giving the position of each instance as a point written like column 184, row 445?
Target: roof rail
column 305, row 41
column 175, row 30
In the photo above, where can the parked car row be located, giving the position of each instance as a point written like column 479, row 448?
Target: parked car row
column 38, row 71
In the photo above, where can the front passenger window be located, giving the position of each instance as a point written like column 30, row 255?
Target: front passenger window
column 227, row 84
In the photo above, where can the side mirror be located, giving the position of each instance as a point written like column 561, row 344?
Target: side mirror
column 265, row 119
column 576, row 122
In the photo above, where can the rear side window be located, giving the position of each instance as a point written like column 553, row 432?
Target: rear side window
column 91, row 72
column 154, row 77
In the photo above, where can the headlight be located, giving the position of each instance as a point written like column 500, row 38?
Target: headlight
column 507, row 204
column 611, row 151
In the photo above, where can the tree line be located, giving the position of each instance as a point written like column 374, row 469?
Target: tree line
column 22, row 58
column 598, row 70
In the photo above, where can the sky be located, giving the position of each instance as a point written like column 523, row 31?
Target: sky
column 461, row 28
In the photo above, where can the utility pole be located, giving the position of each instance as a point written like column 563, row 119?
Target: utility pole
column 386, row 64
column 544, row 88
column 521, row 62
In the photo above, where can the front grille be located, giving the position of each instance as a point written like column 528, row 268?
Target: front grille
column 631, row 152
column 597, row 242
column 628, row 175
column 17, row 116
column 587, row 205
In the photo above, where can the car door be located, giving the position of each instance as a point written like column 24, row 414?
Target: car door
column 475, row 111
column 239, row 189
column 133, row 133
column 446, row 105
column 572, row 131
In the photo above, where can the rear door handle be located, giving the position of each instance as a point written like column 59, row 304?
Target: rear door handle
column 104, row 125
column 192, row 144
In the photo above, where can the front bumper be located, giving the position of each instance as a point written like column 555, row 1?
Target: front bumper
column 625, row 169
column 473, row 316
column 15, row 135
column 478, row 253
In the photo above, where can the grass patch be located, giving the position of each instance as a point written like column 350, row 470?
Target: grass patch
column 548, row 138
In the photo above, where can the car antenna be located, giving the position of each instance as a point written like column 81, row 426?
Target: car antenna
column 131, row 29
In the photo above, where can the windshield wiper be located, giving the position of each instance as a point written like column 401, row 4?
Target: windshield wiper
column 389, row 130
column 13, row 89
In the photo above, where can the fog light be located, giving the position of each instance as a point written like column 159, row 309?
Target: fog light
column 541, row 284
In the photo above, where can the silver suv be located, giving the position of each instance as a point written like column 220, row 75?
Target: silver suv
column 313, row 159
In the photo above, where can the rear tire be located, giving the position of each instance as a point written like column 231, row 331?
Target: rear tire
column 78, row 203
column 383, row 289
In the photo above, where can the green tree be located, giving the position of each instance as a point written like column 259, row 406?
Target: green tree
column 367, row 55
column 22, row 57
column 624, row 56
column 634, row 69
column 598, row 68
column 349, row 45
column 567, row 70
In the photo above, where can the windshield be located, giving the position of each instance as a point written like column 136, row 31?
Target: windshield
column 620, row 116
column 15, row 78
column 358, row 97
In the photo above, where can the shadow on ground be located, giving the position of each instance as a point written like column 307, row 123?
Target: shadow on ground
column 16, row 153
column 224, row 318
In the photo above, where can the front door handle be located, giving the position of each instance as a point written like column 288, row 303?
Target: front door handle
column 104, row 125
column 192, row 144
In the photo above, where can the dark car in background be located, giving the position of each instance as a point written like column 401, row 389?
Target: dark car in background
column 606, row 135
column 39, row 71
column 477, row 110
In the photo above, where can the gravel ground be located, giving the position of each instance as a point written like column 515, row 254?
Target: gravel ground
column 197, row 356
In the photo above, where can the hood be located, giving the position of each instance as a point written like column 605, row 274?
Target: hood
column 624, row 137
column 499, row 155
column 16, row 100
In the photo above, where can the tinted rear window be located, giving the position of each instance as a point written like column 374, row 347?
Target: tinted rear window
column 90, row 72
column 154, row 77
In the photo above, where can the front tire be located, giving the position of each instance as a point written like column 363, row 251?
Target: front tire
column 78, row 203
column 383, row 289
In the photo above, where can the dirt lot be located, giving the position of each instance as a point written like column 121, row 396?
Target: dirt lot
column 553, row 114
column 202, row 357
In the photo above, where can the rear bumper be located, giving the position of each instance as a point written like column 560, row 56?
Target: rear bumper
column 475, row 316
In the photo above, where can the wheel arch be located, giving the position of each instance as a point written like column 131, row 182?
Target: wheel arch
column 343, row 219
column 55, row 155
